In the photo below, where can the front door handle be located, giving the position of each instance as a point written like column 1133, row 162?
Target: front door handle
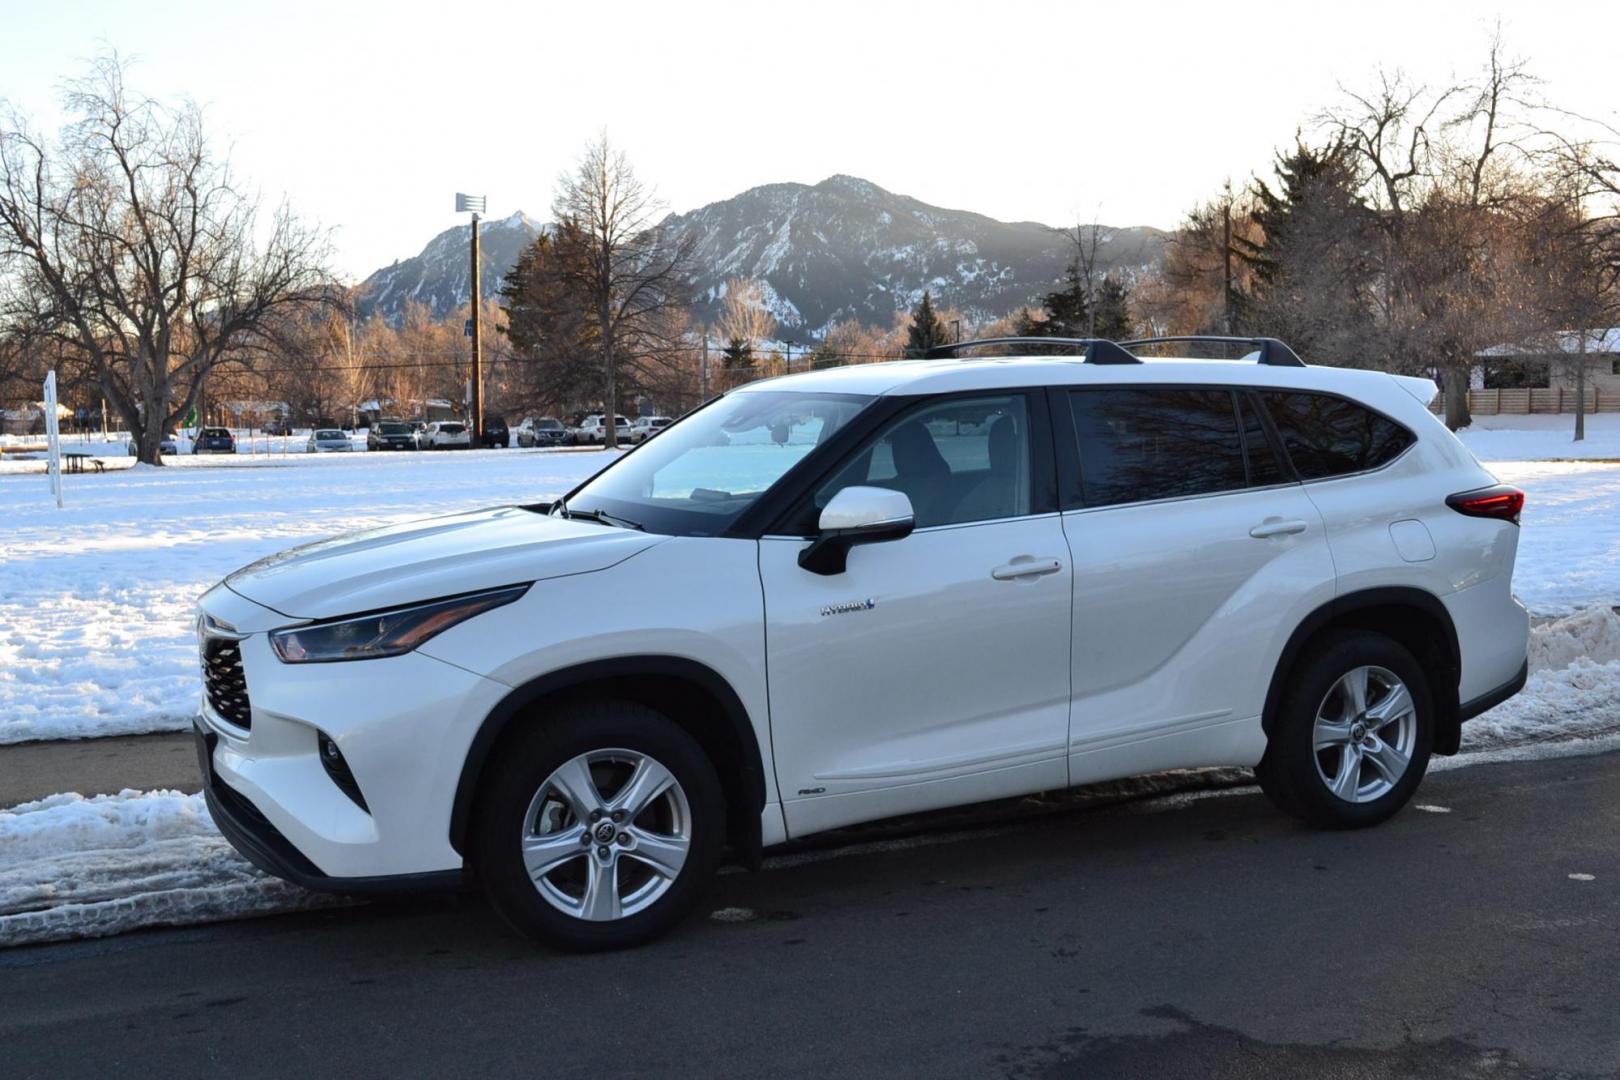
column 1277, row 527
column 1026, row 567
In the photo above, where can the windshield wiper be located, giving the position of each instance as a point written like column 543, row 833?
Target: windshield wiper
column 601, row 517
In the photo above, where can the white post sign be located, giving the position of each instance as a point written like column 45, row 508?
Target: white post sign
column 53, row 438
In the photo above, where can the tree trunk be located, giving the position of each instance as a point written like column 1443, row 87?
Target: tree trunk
column 1580, row 389
column 610, row 426
column 1456, row 388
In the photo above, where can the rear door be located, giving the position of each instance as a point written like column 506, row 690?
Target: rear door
column 1196, row 553
column 935, row 670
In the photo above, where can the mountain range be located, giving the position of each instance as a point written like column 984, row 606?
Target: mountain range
column 841, row 249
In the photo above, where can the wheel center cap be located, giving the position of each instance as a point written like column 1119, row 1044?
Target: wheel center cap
column 605, row 832
column 1358, row 732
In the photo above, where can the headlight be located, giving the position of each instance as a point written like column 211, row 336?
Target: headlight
column 383, row 633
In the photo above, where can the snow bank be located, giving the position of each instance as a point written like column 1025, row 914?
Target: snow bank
column 75, row 867
column 1542, row 438
column 1573, row 691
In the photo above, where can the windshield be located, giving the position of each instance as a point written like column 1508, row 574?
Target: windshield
column 549, row 424
column 328, row 435
column 698, row 476
column 451, row 429
column 394, row 429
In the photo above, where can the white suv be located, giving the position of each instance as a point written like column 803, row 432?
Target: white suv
column 864, row 592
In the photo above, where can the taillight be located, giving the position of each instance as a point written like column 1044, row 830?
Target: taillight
column 1502, row 502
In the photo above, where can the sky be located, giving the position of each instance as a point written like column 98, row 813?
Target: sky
column 368, row 117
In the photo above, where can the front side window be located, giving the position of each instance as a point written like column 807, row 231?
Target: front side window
column 1137, row 445
column 700, row 474
column 1329, row 436
column 959, row 461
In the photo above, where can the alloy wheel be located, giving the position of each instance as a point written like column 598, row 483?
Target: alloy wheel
column 606, row 835
column 1365, row 734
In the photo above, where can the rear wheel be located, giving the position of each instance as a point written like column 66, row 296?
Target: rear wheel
column 601, row 828
column 1351, row 737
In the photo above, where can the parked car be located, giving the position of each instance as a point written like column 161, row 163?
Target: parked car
column 214, row 440
column 169, row 444
column 324, row 440
column 592, row 431
column 390, row 435
column 279, row 427
column 544, row 431
column 646, row 427
column 446, row 435
column 418, row 433
column 496, row 433
column 946, row 582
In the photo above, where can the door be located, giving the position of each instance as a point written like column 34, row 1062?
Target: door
column 1195, row 556
column 935, row 669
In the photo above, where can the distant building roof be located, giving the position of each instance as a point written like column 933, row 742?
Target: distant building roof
column 1565, row 341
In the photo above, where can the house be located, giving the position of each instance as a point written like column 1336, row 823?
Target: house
column 1551, row 362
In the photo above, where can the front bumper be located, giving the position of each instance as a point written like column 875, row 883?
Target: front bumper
column 403, row 725
column 263, row 845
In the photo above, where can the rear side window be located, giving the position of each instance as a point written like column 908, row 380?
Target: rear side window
column 1138, row 445
column 1329, row 436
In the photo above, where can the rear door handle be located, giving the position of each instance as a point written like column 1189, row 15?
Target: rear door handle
column 1277, row 527
column 1026, row 566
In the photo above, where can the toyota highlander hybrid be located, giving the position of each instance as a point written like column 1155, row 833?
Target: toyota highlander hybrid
column 863, row 592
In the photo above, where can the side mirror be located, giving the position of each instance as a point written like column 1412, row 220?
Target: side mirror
column 857, row 515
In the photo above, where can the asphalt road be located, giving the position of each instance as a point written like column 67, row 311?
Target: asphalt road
column 1207, row 938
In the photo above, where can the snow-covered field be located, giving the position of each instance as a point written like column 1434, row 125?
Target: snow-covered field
column 97, row 599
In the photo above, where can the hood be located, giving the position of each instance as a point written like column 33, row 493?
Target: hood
column 424, row 560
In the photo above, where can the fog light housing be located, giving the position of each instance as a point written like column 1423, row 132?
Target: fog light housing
column 338, row 770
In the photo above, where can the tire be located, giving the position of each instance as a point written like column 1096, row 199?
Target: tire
column 537, row 791
column 1306, row 771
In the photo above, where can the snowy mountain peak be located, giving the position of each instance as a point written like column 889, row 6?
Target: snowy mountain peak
column 843, row 248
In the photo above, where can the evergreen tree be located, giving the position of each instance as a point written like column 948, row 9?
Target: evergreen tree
column 926, row 331
column 552, row 338
column 1113, row 312
column 738, row 353
column 1067, row 313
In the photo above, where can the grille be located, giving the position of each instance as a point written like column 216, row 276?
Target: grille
column 224, row 682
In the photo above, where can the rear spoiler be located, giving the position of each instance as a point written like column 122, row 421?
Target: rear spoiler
column 1425, row 390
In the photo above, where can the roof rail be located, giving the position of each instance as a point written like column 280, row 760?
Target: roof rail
column 1272, row 351
column 1098, row 350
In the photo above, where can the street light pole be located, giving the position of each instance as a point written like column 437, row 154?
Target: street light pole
column 475, row 204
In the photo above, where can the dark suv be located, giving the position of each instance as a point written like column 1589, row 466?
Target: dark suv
column 390, row 435
column 214, row 440
column 495, row 432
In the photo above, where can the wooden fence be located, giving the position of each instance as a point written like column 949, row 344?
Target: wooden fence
column 1554, row 399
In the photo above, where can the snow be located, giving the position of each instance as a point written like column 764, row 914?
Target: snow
column 1542, row 438
column 97, row 600
column 77, row 867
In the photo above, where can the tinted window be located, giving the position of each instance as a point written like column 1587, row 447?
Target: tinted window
column 393, row 429
column 1264, row 468
column 958, row 461
column 1329, row 436
column 1137, row 445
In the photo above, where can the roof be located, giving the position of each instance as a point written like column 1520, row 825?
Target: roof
column 1565, row 341
column 980, row 373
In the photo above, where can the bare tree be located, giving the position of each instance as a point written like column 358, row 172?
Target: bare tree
column 126, row 241
column 1442, row 175
column 743, row 314
column 632, row 274
column 1083, row 241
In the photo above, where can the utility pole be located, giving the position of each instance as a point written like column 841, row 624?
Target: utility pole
column 703, row 367
column 475, row 204
column 1226, row 265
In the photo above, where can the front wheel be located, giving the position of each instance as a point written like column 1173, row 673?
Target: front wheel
column 601, row 829
column 1350, row 740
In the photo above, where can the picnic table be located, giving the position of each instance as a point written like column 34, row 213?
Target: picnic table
column 77, row 459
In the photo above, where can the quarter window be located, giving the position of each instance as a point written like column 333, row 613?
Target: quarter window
column 1138, row 445
column 1329, row 436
